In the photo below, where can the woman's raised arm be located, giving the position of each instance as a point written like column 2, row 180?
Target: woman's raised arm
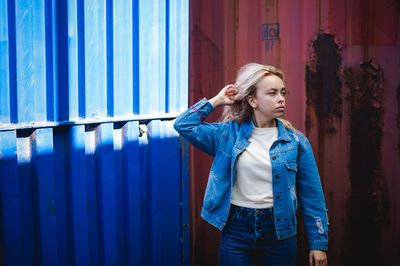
column 204, row 136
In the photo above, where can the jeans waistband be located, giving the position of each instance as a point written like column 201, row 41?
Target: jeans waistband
column 251, row 211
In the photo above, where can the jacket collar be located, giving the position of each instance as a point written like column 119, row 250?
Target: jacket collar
column 247, row 128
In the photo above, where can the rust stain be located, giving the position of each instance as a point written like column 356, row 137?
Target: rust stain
column 367, row 204
column 324, row 107
column 323, row 85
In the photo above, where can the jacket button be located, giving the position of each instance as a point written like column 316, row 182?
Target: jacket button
column 278, row 197
column 278, row 219
column 273, row 157
column 276, row 176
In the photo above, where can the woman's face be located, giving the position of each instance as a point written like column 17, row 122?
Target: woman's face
column 269, row 98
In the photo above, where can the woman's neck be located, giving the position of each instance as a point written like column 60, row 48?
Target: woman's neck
column 260, row 122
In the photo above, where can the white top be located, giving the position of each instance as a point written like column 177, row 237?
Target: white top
column 253, row 184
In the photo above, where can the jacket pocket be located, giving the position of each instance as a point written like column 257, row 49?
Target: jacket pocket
column 216, row 195
column 291, row 172
column 221, row 166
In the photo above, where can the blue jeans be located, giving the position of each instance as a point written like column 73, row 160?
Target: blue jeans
column 249, row 238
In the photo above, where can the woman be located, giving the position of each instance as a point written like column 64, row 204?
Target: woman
column 260, row 161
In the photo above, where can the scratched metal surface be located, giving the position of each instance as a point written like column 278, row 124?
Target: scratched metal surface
column 342, row 65
column 91, row 169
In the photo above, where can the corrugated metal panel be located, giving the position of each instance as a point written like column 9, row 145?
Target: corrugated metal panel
column 341, row 60
column 91, row 170
column 97, row 194
column 92, row 59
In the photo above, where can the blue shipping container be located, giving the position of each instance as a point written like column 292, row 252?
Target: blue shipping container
column 91, row 170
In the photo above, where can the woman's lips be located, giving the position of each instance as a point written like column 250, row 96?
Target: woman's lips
column 280, row 108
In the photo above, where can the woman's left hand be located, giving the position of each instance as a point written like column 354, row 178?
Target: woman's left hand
column 318, row 258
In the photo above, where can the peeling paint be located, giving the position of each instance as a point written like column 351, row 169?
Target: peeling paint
column 368, row 203
column 323, row 85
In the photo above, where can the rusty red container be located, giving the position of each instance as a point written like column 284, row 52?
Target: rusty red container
column 341, row 60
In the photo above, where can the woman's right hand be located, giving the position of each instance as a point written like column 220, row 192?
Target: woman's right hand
column 225, row 96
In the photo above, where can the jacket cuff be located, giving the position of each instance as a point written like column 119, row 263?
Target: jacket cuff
column 319, row 246
column 203, row 108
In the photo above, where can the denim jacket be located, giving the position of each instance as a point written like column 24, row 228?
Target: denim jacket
column 293, row 169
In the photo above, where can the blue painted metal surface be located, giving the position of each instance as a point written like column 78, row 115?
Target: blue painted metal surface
column 63, row 61
column 91, row 170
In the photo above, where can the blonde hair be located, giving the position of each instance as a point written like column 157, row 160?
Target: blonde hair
column 248, row 77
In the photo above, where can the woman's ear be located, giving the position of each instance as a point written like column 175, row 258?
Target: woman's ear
column 251, row 101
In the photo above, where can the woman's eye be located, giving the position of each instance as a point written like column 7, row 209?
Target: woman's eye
column 272, row 93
